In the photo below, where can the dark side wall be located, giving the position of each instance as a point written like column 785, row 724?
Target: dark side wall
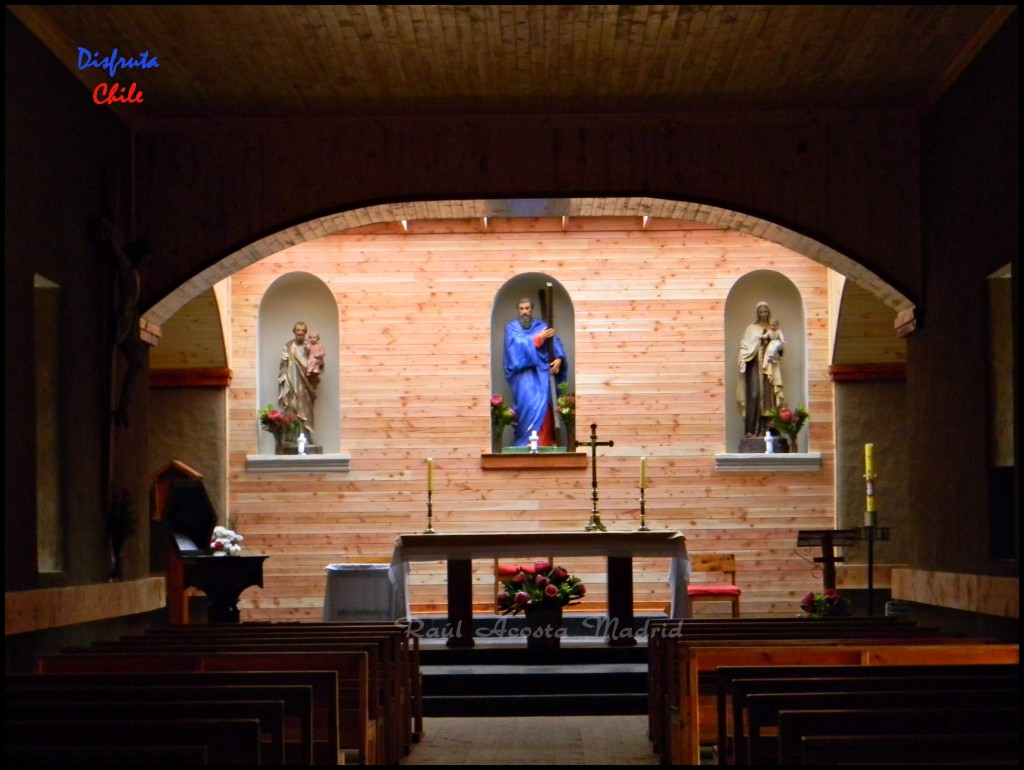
column 66, row 165
column 970, row 196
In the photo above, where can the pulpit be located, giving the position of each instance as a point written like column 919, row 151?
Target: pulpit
column 190, row 519
column 828, row 540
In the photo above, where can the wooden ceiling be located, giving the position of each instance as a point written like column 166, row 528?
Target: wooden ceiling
column 325, row 60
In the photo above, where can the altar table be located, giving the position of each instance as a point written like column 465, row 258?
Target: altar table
column 459, row 549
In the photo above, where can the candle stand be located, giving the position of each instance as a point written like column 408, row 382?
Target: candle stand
column 643, row 515
column 872, row 533
column 430, row 514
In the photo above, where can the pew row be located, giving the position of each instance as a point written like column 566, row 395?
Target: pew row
column 322, row 686
column 296, row 701
column 734, row 685
column 943, row 719
column 225, row 741
column 700, row 659
column 352, row 728
column 663, row 658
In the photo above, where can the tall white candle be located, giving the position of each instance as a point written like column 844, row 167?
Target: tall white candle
column 430, row 474
column 643, row 473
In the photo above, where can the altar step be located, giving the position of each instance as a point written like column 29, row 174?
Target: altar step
column 501, row 677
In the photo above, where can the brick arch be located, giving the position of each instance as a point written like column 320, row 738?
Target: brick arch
column 639, row 206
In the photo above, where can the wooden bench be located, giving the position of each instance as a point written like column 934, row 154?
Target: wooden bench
column 321, row 732
column 664, row 661
column 944, row 719
column 268, row 714
column 976, row 749
column 400, row 653
column 107, row 755
column 296, row 703
column 704, row 657
column 764, row 709
column 735, row 684
column 395, row 693
column 227, row 741
column 355, row 730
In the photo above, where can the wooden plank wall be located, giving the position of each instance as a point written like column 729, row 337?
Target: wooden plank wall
column 414, row 310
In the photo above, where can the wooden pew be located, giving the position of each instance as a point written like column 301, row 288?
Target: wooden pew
column 227, row 741
column 268, row 714
column 734, row 684
column 764, row 709
column 296, row 702
column 662, row 663
column 321, row 732
column 663, row 657
column 107, row 755
column 400, row 653
column 390, row 665
column 976, row 749
column 697, row 658
column 944, row 719
column 354, row 728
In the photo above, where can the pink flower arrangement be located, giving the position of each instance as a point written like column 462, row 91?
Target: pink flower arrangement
column 828, row 604
column 541, row 585
column 501, row 415
column 275, row 421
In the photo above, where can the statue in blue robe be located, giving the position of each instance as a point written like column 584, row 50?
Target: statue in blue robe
column 530, row 363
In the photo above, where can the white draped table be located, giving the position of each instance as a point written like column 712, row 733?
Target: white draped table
column 459, row 549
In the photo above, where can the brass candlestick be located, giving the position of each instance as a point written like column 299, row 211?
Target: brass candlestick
column 643, row 515
column 430, row 514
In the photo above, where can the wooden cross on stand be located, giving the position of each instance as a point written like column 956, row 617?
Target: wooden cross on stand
column 828, row 540
column 594, row 525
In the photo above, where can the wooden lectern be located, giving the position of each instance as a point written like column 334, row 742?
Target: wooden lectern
column 189, row 521
column 827, row 540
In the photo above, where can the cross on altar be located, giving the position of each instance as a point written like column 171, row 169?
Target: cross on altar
column 595, row 518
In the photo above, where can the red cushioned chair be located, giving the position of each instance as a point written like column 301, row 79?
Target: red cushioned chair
column 723, row 564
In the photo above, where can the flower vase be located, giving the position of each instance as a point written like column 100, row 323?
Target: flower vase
column 544, row 624
column 496, row 440
column 793, row 446
column 570, row 438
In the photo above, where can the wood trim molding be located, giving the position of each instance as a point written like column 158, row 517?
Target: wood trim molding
column 542, row 461
column 46, row 608
column 986, row 594
column 868, row 372
column 189, row 378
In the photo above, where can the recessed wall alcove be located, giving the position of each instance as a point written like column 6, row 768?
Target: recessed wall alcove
column 504, row 310
column 787, row 306
column 299, row 296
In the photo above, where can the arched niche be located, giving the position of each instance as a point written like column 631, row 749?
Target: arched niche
column 299, row 296
column 504, row 310
column 786, row 303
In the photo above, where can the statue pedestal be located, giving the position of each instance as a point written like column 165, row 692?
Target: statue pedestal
column 755, row 445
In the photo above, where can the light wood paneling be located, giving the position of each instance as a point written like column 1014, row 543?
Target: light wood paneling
column 414, row 369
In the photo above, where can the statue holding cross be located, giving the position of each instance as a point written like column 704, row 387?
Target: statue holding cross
column 594, row 525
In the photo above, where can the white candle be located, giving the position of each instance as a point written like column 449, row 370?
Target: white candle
column 430, row 474
column 869, row 459
column 643, row 473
